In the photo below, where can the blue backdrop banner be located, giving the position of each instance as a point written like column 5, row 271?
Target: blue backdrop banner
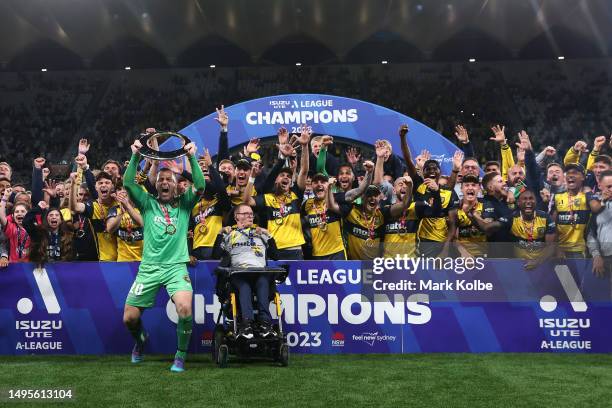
column 329, row 307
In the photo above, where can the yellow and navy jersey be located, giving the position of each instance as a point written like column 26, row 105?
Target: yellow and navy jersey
column 400, row 234
column 207, row 221
column 469, row 235
column 66, row 214
column 238, row 199
column 573, row 214
column 434, row 227
column 282, row 212
column 529, row 235
column 107, row 243
column 326, row 240
column 363, row 232
column 130, row 237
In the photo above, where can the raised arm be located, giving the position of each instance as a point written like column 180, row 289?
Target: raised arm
column 330, row 200
column 507, row 159
column 216, row 185
column 353, row 156
column 247, row 197
column 457, row 160
column 49, row 194
column 72, row 197
column 574, row 152
column 3, row 201
column 464, row 141
column 326, row 141
column 399, row 207
column 545, row 156
column 356, row 192
column 598, row 144
column 381, row 149
column 304, row 141
column 136, row 193
column 285, row 150
column 412, row 171
column 223, row 120
column 191, row 196
column 90, row 180
column 37, row 180
column 532, row 170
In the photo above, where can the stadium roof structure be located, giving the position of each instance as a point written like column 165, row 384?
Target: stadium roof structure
column 104, row 34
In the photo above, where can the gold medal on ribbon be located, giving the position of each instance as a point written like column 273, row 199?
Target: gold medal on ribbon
column 370, row 243
column 202, row 228
column 323, row 226
column 402, row 231
column 279, row 221
column 170, row 229
column 80, row 233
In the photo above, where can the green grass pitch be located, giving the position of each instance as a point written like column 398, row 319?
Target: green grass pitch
column 427, row 380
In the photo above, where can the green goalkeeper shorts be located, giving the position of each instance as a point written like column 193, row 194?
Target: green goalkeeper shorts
column 151, row 277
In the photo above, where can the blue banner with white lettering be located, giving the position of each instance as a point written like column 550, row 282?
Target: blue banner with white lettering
column 328, row 307
column 337, row 116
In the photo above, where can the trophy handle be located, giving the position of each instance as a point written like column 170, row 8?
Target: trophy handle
column 152, row 154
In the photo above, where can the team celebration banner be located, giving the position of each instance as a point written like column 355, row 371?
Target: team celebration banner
column 351, row 119
column 385, row 306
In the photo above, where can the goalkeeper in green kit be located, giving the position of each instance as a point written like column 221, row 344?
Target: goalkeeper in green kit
column 165, row 254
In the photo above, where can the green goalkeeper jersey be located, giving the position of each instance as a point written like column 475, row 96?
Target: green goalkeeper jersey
column 159, row 246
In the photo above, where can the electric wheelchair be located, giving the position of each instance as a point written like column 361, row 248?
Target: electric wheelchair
column 226, row 343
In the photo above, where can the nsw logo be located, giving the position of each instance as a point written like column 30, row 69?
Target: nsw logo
column 337, row 339
column 206, row 340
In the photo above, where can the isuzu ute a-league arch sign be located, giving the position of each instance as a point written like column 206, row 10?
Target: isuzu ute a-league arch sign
column 325, row 114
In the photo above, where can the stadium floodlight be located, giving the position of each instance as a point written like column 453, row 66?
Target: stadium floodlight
column 560, row 57
column 298, row 64
column 128, row 68
column 472, row 60
column 213, row 66
column 44, row 70
column 384, row 62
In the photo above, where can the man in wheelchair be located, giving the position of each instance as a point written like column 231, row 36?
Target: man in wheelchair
column 245, row 246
